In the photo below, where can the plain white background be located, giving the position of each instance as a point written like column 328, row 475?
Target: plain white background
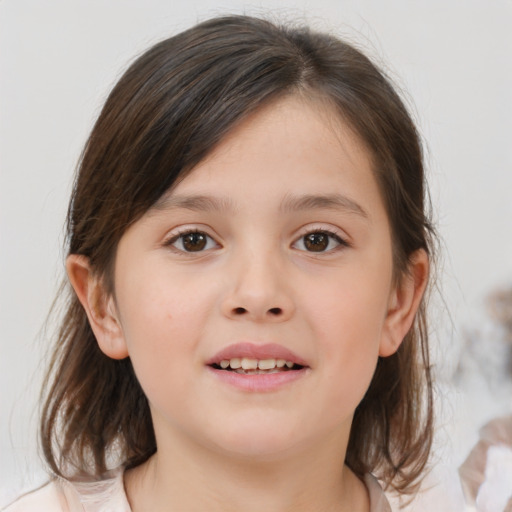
column 59, row 59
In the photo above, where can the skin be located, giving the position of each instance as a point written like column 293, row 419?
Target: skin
column 257, row 281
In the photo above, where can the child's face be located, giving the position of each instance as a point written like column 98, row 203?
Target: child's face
column 280, row 237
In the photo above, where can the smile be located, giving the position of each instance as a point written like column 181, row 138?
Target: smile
column 249, row 366
column 257, row 368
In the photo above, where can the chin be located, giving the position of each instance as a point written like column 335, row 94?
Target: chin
column 259, row 441
column 258, row 450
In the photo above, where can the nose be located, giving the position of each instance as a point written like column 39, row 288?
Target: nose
column 258, row 291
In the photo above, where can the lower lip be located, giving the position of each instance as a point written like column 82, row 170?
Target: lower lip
column 258, row 382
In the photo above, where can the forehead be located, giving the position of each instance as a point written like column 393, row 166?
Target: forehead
column 291, row 126
column 292, row 147
column 292, row 132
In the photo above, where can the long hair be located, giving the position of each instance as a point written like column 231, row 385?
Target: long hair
column 168, row 112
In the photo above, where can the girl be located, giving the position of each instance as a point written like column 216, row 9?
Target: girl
column 248, row 253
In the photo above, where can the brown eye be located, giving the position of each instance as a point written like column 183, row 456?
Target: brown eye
column 316, row 242
column 319, row 241
column 193, row 241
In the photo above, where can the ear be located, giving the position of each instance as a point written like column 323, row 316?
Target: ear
column 404, row 302
column 98, row 305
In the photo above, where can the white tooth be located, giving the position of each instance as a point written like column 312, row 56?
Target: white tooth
column 224, row 363
column 235, row 363
column 289, row 364
column 266, row 364
column 280, row 363
column 249, row 364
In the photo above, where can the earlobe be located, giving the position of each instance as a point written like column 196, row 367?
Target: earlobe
column 404, row 303
column 98, row 305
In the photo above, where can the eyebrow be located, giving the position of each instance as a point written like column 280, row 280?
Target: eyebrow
column 322, row 202
column 290, row 203
column 200, row 203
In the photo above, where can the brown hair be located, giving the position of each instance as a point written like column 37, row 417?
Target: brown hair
column 166, row 113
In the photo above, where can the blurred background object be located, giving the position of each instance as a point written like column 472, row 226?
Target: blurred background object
column 486, row 474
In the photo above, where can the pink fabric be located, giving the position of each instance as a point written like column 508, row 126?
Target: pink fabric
column 475, row 472
column 108, row 495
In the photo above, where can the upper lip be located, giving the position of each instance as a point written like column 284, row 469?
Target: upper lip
column 256, row 351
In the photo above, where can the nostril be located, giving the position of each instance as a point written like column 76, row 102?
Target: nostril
column 239, row 311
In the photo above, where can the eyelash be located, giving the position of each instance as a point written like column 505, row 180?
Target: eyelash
column 181, row 236
column 321, row 231
column 342, row 243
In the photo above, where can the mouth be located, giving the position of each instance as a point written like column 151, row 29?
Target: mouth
column 252, row 366
column 255, row 368
column 256, row 359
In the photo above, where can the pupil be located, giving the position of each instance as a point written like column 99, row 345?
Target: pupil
column 194, row 241
column 316, row 242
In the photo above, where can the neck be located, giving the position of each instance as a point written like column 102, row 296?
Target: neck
column 181, row 476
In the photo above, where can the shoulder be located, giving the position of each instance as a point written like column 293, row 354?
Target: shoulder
column 48, row 498
column 378, row 500
column 106, row 494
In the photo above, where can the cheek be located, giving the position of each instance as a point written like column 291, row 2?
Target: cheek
column 162, row 303
column 350, row 306
column 162, row 321
column 350, row 343
column 346, row 318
